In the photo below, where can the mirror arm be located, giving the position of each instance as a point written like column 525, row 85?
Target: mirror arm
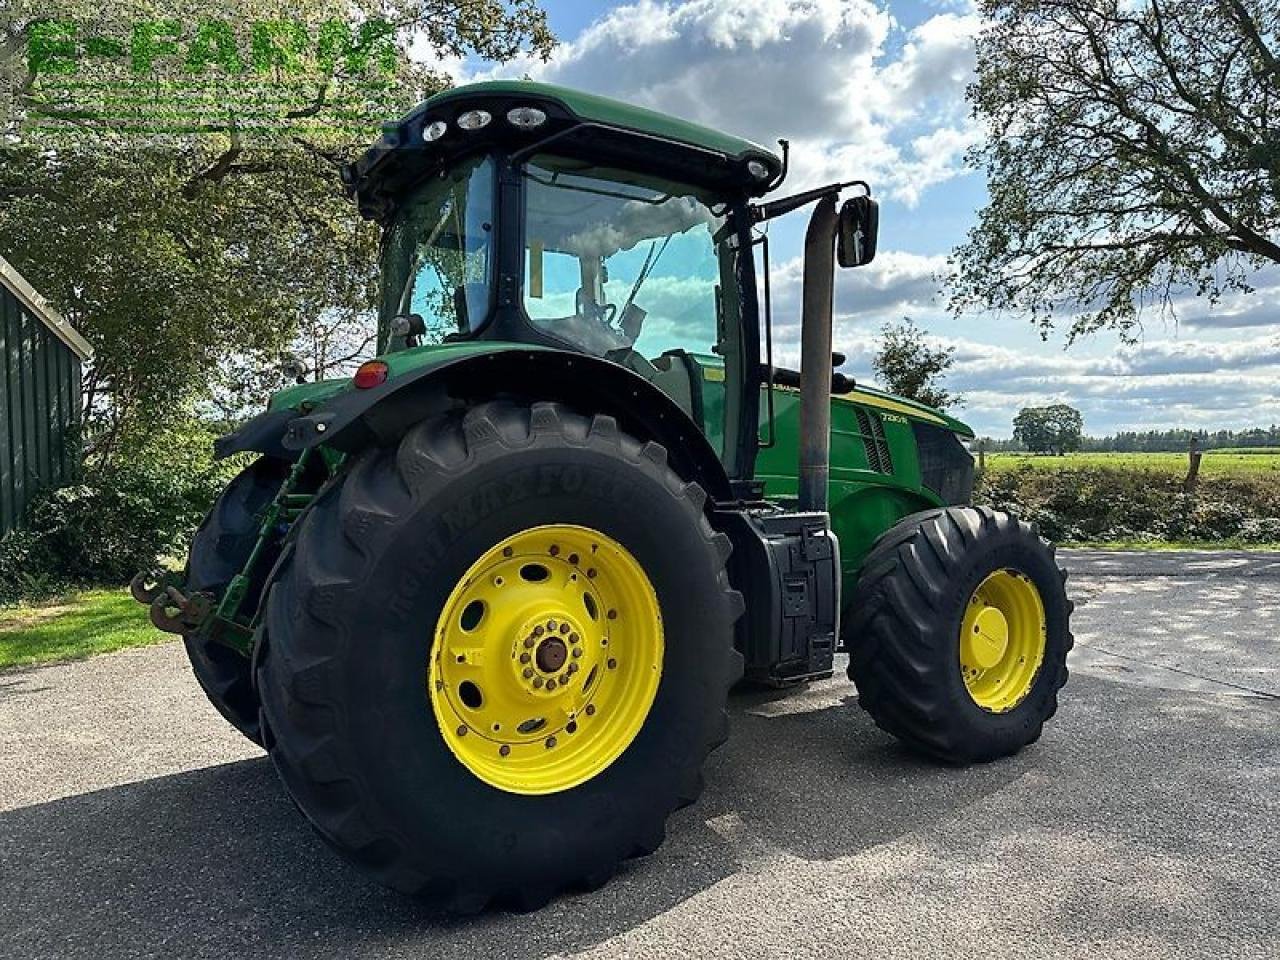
column 761, row 212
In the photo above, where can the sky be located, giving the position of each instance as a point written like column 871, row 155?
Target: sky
column 875, row 90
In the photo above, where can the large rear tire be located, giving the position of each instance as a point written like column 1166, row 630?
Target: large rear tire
column 219, row 551
column 958, row 633
column 397, row 592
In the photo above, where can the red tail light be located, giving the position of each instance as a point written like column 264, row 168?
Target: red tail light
column 371, row 374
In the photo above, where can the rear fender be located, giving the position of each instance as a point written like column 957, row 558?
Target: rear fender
column 379, row 416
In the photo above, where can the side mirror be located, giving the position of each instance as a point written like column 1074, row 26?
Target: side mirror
column 858, row 228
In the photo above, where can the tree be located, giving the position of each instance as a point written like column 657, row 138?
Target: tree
column 1131, row 157
column 191, row 261
column 1052, row 429
column 911, row 368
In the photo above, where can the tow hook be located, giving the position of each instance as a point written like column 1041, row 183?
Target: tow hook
column 176, row 612
column 171, row 608
column 149, row 584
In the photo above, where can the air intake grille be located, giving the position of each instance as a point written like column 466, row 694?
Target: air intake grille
column 872, row 430
column 946, row 467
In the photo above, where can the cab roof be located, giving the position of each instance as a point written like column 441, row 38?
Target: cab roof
column 578, row 124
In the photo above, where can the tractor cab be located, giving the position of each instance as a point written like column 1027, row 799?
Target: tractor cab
column 633, row 269
column 524, row 213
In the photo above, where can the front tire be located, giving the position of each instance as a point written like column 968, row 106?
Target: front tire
column 958, row 633
column 352, row 638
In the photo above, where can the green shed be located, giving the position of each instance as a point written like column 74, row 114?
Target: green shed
column 40, row 360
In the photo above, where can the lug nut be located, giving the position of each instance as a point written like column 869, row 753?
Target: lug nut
column 504, row 750
column 528, row 643
column 574, row 638
column 537, row 682
column 551, row 625
column 524, row 658
column 573, row 668
column 528, row 672
column 537, row 632
column 551, row 684
column 591, row 709
column 564, row 628
column 577, row 651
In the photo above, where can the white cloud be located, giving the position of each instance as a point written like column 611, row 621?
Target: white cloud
column 1237, row 310
column 858, row 96
column 818, row 72
column 1197, row 379
column 1161, row 384
column 936, row 61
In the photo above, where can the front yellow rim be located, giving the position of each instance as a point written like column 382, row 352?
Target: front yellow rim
column 546, row 660
column 1002, row 640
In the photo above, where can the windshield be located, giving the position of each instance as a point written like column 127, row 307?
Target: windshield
column 438, row 253
column 635, row 270
column 613, row 265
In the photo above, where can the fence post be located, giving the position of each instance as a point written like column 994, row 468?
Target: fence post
column 1193, row 466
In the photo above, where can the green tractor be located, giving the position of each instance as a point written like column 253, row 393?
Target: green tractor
column 483, row 603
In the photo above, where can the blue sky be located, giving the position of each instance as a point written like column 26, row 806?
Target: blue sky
column 864, row 88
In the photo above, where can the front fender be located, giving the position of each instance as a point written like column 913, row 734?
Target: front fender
column 355, row 419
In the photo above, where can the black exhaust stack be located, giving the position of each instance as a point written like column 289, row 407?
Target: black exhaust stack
column 789, row 561
column 815, row 356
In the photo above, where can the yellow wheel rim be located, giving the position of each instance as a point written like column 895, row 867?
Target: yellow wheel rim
column 1002, row 640
column 546, row 660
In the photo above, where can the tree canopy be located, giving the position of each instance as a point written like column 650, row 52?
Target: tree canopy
column 1053, row 429
column 192, row 260
column 1131, row 156
column 911, row 367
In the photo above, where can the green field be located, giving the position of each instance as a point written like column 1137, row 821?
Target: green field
column 79, row 625
column 1265, row 461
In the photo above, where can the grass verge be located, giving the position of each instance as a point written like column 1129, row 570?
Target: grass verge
column 1265, row 462
column 72, row 627
column 1166, row 545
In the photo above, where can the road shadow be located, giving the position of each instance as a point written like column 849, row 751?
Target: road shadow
column 217, row 862
column 14, row 684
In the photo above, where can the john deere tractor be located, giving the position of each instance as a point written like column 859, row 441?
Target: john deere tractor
column 483, row 602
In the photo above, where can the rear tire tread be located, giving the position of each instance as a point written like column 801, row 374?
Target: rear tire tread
column 298, row 705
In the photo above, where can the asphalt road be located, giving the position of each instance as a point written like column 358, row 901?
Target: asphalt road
column 1146, row 823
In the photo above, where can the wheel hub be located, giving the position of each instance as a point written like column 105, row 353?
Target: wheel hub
column 551, row 655
column 1002, row 640
column 985, row 642
column 546, row 660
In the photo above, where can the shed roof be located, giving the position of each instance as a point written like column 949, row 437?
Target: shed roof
column 26, row 294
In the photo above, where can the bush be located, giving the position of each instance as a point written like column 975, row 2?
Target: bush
column 116, row 521
column 1102, row 503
